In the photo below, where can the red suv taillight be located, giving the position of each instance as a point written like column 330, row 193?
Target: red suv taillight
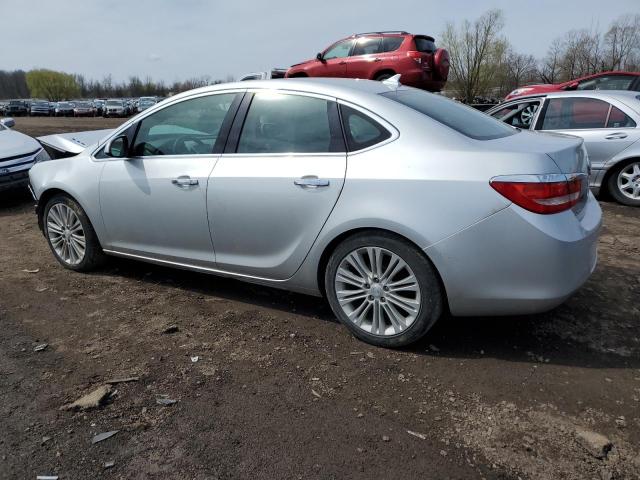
column 543, row 194
column 416, row 56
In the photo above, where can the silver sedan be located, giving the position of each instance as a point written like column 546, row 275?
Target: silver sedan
column 394, row 203
column 608, row 122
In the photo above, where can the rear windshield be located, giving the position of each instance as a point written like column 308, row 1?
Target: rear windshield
column 425, row 45
column 465, row 120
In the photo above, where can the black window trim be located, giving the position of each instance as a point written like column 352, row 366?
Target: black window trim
column 543, row 111
column 335, row 127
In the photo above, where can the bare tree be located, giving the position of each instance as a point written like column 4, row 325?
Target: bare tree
column 550, row 66
column 520, row 69
column 621, row 41
column 475, row 49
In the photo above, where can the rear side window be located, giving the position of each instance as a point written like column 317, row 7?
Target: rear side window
column 280, row 123
column 361, row 131
column 391, row 44
column 465, row 120
column 366, row 46
column 619, row 119
column 573, row 113
column 425, row 45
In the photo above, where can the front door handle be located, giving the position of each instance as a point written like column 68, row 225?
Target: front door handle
column 311, row 181
column 184, row 181
column 377, row 59
column 616, row 136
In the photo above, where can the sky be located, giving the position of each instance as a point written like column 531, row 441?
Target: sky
column 177, row 39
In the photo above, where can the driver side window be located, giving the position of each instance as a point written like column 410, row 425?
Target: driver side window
column 339, row 50
column 189, row 127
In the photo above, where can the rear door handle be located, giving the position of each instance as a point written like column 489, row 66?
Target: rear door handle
column 311, row 182
column 377, row 59
column 184, row 181
column 616, row 136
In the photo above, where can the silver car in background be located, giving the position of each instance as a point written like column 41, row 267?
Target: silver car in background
column 18, row 153
column 394, row 203
column 607, row 121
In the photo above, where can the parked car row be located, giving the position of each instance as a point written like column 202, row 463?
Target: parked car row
column 123, row 107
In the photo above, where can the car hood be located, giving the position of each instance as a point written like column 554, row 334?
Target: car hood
column 311, row 60
column 68, row 144
column 14, row 143
column 533, row 89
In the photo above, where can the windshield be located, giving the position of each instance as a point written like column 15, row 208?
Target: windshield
column 114, row 103
column 82, row 104
column 64, row 104
column 16, row 102
column 461, row 118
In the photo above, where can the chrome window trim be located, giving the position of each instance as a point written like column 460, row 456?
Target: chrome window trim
column 151, row 110
column 395, row 133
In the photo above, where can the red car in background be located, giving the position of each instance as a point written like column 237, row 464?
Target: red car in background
column 380, row 55
column 600, row 81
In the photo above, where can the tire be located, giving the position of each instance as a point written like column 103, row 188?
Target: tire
column 621, row 176
column 93, row 256
column 377, row 291
column 383, row 76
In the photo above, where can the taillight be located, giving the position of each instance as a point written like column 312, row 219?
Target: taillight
column 543, row 194
column 416, row 56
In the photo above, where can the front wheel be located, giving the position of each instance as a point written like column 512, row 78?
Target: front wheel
column 624, row 184
column 384, row 290
column 70, row 235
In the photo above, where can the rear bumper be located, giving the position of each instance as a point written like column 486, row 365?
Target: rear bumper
column 517, row 262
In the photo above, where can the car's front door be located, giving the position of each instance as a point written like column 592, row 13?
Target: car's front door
column 276, row 184
column 334, row 61
column 605, row 128
column 153, row 203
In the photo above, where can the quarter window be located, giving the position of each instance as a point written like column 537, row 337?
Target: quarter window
column 610, row 82
column 425, row 45
column 390, row 44
column 361, row 131
column 339, row 50
column 518, row 114
column 281, row 123
column 619, row 119
column 190, row 127
column 571, row 113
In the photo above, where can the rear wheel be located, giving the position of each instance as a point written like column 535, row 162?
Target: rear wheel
column 383, row 289
column 384, row 76
column 624, row 183
column 70, row 235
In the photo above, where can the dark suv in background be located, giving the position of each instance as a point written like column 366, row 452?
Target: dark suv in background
column 17, row 108
column 380, row 55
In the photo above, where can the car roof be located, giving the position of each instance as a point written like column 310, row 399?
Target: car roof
column 334, row 87
column 619, row 94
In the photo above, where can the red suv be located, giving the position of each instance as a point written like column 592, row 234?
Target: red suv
column 380, row 55
column 598, row 81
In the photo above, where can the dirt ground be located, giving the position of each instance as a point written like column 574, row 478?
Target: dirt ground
column 281, row 390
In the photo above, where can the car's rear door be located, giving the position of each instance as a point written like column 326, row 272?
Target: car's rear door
column 605, row 128
column 276, row 184
column 153, row 202
column 365, row 57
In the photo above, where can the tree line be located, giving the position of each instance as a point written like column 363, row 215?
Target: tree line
column 56, row 86
column 484, row 64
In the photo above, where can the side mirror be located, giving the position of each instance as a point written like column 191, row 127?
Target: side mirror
column 572, row 86
column 319, row 57
column 8, row 122
column 118, row 147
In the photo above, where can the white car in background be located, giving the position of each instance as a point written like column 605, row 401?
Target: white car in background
column 18, row 153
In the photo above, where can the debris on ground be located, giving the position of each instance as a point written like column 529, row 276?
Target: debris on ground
column 596, row 444
column 385, row 438
column 316, row 393
column 90, row 400
column 40, row 348
column 45, row 440
column 103, row 436
column 195, row 359
column 109, row 464
column 41, row 289
column 27, row 270
column 113, row 381
column 171, row 329
column 421, row 436
column 47, row 477
column 165, row 401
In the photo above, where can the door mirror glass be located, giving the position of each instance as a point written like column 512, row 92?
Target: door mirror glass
column 8, row 122
column 319, row 57
column 118, row 147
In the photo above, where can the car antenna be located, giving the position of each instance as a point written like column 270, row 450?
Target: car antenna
column 393, row 82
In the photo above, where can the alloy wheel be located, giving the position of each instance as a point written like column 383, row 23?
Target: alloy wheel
column 629, row 181
column 66, row 234
column 527, row 114
column 378, row 291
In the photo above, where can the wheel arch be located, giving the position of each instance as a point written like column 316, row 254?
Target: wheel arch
column 333, row 244
column 382, row 71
